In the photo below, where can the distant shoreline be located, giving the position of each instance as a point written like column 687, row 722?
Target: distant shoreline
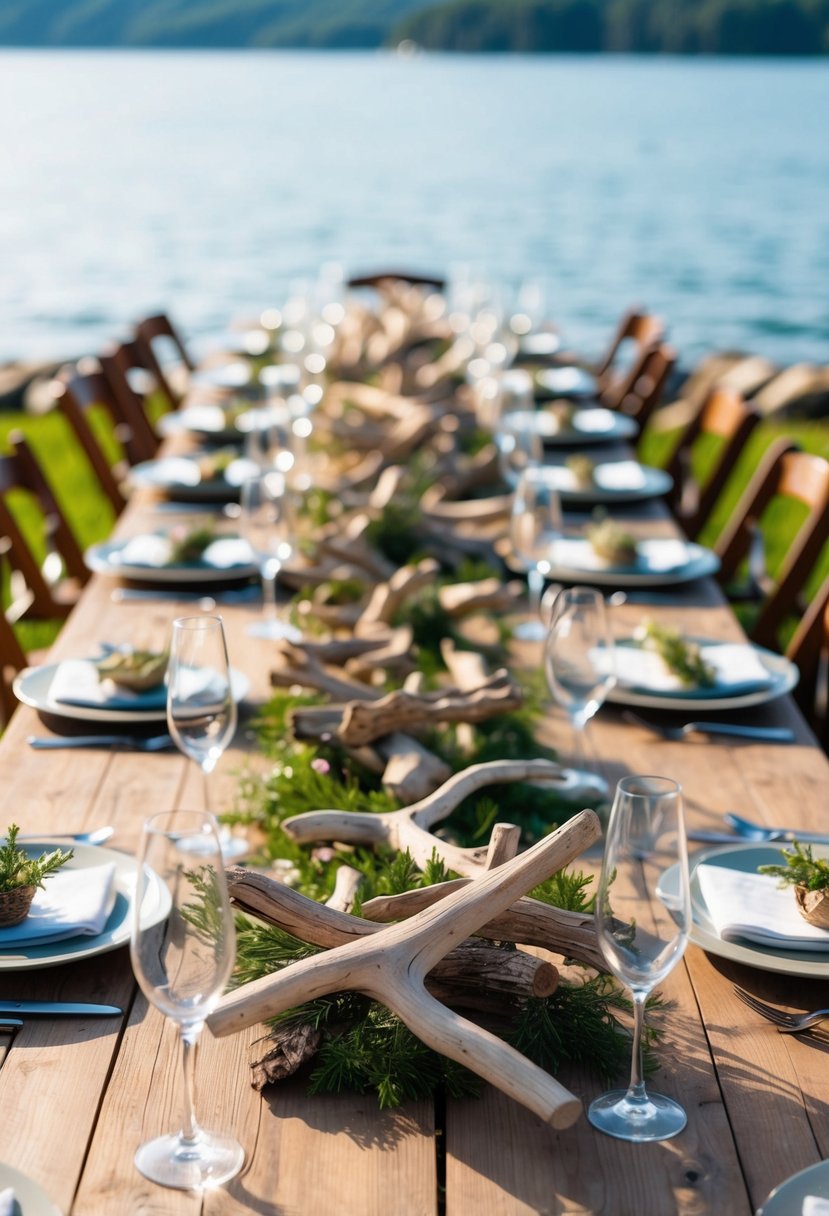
column 430, row 52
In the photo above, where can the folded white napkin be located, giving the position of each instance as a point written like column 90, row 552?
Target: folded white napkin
column 754, row 907
column 156, row 550
column 736, row 666
column 76, row 682
column 8, row 1203
column 619, row 475
column 227, row 552
column 813, row 1205
column 654, row 556
column 73, row 903
column 593, row 422
column 173, row 470
column 565, row 380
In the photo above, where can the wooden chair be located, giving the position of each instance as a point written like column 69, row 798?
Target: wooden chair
column 148, row 334
column 119, row 366
column 12, row 660
column 74, row 394
column 383, row 277
column 809, row 650
column 784, row 473
column 724, row 416
column 642, row 329
column 640, row 390
column 41, row 589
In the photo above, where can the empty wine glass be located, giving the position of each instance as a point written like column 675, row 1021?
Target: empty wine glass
column 183, row 964
column 201, row 710
column 580, row 666
column 535, row 526
column 641, row 938
column 267, row 523
column 519, row 445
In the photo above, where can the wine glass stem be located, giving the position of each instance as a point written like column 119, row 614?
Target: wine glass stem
column 579, row 753
column 636, row 1088
column 189, row 1044
column 535, row 584
column 270, row 572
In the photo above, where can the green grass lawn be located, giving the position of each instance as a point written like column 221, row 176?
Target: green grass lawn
column 91, row 515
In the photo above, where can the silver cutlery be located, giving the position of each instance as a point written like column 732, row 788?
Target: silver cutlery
column 786, row 1023
column 152, row 743
column 747, row 830
column 52, row 1008
column 770, row 734
column 97, row 836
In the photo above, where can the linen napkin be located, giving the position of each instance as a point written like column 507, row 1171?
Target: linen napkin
column 593, row 422
column 619, row 475
column 155, row 550
column 566, row 381
column 74, row 903
column 813, row 1205
column 657, row 556
column 737, row 669
column 8, row 1203
column 76, row 682
column 753, row 907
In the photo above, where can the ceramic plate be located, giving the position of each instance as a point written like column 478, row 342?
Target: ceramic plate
column 32, row 1200
column 32, row 685
column 745, row 857
column 614, row 481
column 788, row 1198
column 565, row 382
column 209, row 422
column 659, row 563
column 181, row 478
column 783, row 676
column 586, row 426
column 106, row 558
column 155, row 904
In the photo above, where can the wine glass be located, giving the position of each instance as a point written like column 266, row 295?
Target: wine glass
column 266, row 521
column 201, row 710
column 519, row 445
column 535, row 526
column 641, row 939
column 580, row 666
column 183, row 964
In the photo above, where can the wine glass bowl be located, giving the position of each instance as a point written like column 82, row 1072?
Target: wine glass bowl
column 182, row 965
column 201, row 710
column 535, row 526
column 267, row 523
column 580, row 666
column 641, row 939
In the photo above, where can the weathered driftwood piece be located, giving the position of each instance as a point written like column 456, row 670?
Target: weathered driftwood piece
column 411, row 771
column 409, row 828
column 395, row 654
column 390, row 967
column 363, row 722
column 346, row 882
column 489, row 594
column 297, row 664
column 478, row 511
column 388, row 598
column 467, row 669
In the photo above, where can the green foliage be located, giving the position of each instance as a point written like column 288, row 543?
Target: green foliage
column 800, row 869
column 679, row 655
column 18, row 869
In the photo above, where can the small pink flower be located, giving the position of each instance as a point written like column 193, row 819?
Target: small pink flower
column 320, row 766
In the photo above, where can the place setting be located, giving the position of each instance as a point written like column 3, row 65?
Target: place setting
column 563, row 424
column 207, row 476
column 181, row 555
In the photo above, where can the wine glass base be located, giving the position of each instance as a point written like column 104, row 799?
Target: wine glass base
column 579, row 783
column 655, row 1118
column 530, row 631
column 207, row 1162
column 274, row 630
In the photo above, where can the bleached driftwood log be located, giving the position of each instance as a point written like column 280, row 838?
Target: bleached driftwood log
column 390, row 966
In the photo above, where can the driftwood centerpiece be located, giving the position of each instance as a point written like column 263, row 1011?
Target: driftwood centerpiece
column 391, row 965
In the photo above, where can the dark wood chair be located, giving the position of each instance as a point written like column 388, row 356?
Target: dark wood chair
column 150, row 334
column 121, row 366
column 639, row 391
column 75, row 394
column 798, row 477
column 12, row 660
column 381, row 278
column 640, row 329
column 809, row 650
column 726, row 419
column 43, row 588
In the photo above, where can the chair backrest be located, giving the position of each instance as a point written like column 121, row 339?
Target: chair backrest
column 381, row 277
column 784, row 472
column 147, row 334
column 640, row 390
column 12, row 660
column 723, row 415
column 809, row 650
column 73, row 394
column 119, row 364
column 641, row 328
column 20, row 470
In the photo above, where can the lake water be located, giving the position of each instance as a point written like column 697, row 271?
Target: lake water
column 207, row 183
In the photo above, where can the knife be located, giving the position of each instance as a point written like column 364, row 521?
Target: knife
column 51, row 1008
column 774, row 734
column 737, row 838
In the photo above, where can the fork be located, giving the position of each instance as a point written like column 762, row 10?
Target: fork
column 771, row 734
column 151, row 743
column 786, row 1023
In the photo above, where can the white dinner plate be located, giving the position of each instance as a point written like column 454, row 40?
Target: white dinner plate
column 155, row 904
column 180, row 477
column 788, row 1198
column 106, row 558
column 615, row 481
column 31, row 1199
column 659, row 562
column 32, row 686
column 587, row 426
column 209, row 422
column 745, row 857
column 783, row 676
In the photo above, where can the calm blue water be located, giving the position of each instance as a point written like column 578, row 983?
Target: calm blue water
column 207, row 183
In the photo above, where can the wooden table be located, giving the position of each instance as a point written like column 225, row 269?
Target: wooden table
column 78, row 1096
